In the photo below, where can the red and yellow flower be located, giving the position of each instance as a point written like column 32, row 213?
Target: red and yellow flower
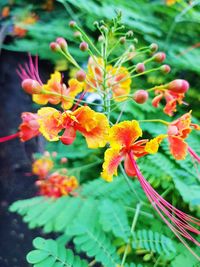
column 92, row 125
column 178, row 131
column 42, row 167
column 122, row 139
column 29, row 127
column 55, row 91
column 171, row 98
column 117, row 80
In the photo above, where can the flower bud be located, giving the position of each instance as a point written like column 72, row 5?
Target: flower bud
column 80, row 75
column 77, row 34
column 153, row 47
column 172, row 130
column 140, row 96
column 54, row 47
column 140, row 67
column 95, row 23
column 122, row 40
column 178, row 86
column 159, row 57
column 54, row 154
column 46, row 154
column 63, row 160
column 165, row 69
column 72, row 24
column 100, row 38
column 31, row 86
column 68, row 136
column 62, row 43
column 83, row 46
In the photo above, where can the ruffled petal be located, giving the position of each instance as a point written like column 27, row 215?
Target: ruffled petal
column 125, row 133
column 50, row 121
column 178, row 147
column 152, row 146
column 128, row 166
column 112, row 160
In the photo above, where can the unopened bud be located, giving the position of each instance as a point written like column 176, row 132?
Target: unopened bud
column 100, row 38
column 165, row 69
column 54, row 47
column 83, row 46
column 96, row 24
column 62, row 43
column 54, row 154
column 153, row 47
column 77, row 34
column 140, row 67
column 103, row 28
column 178, row 86
column 46, row 154
column 72, row 24
column 135, row 40
column 122, row 40
column 31, row 86
column 140, row 96
column 80, row 75
column 63, row 160
column 159, row 57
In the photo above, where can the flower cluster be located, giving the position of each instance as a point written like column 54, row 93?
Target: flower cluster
column 53, row 183
column 113, row 81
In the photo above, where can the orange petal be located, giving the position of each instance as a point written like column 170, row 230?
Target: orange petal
column 93, row 125
column 50, row 121
column 42, row 166
column 128, row 166
column 178, row 147
column 125, row 133
column 156, row 100
column 112, row 160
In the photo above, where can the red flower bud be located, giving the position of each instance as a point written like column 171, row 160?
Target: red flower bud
column 54, row 154
column 140, row 67
column 178, row 86
column 63, row 160
column 68, row 136
column 159, row 57
column 62, row 43
column 77, row 34
column 72, row 23
column 153, row 47
column 54, row 47
column 165, row 69
column 140, row 96
column 80, row 75
column 31, row 86
column 83, row 46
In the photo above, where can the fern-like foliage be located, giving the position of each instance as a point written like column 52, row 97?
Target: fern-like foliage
column 113, row 217
column 153, row 242
column 52, row 254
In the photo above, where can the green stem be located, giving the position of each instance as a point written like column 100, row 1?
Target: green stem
column 156, row 120
column 135, row 218
column 149, row 215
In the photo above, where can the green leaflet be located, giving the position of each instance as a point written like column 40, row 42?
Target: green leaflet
column 50, row 253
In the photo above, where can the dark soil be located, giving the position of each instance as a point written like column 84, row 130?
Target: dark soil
column 16, row 182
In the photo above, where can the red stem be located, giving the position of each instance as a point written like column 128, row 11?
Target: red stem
column 193, row 154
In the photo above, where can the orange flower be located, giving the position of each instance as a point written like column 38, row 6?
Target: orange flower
column 171, row 98
column 178, row 131
column 29, row 127
column 117, row 80
column 94, row 126
column 122, row 138
column 5, row 12
column 42, row 166
column 55, row 91
column 57, row 185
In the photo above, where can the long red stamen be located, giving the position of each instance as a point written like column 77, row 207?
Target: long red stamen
column 79, row 100
column 9, row 137
column 179, row 222
column 194, row 154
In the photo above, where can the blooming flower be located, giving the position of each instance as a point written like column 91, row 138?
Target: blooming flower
column 57, row 185
column 29, row 127
column 171, row 98
column 122, row 139
column 94, row 126
column 42, row 166
column 54, row 92
column 178, row 131
column 117, row 80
